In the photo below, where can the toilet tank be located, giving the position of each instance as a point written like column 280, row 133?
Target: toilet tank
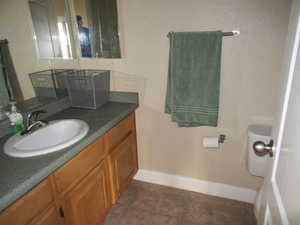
column 257, row 165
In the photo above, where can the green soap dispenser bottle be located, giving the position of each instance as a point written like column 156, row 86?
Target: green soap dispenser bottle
column 16, row 119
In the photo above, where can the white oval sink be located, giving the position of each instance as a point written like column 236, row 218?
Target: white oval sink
column 56, row 136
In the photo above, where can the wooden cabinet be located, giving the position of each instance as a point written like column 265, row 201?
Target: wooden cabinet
column 49, row 217
column 29, row 206
column 83, row 186
column 89, row 202
column 123, row 165
column 120, row 131
column 67, row 176
column 123, row 162
column 82, row 191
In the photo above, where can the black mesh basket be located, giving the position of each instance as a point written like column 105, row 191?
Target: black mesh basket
column 88, row 88
column 50, row 83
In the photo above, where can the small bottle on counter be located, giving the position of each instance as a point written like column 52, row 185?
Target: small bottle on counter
column 16, row 119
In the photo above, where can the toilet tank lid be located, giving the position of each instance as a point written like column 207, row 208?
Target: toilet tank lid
column 259, row 130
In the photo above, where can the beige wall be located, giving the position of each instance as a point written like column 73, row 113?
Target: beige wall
column 250, row 71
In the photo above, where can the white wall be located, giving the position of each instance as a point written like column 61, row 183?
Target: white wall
column 250, row 71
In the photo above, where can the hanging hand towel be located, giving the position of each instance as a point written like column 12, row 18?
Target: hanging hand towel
column 194, row 78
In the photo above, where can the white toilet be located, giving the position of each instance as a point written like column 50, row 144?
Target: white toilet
column 257, row 165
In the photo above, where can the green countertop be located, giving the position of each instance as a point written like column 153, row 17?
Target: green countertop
column 19, row 175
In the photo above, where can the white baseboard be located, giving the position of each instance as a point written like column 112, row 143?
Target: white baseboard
column 191, row 184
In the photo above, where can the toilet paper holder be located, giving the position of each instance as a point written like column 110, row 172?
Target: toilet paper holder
column 222, row 138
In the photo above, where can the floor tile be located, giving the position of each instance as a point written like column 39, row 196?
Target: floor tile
column 141, row 217
column 116, row 214
column 150, row 204
column 198, row 213
column 170, row 207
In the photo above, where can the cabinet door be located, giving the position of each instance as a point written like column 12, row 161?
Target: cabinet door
column 89, row 201
column 123, row 165
column 49, row 217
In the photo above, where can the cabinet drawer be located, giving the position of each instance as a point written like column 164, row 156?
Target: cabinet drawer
column 116, row 134
column 29, row 206
column 78, row 167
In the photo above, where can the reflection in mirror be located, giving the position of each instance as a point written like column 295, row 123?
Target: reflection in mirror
column 52, row 30
column 97, row 22
column 9, row 86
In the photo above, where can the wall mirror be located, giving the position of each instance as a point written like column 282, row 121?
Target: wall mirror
column 96, row 28
column 52, row 30
column 62, row 29
column 9, row 85
column 98, row 33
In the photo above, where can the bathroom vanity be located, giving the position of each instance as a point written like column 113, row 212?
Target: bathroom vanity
column 79, row 185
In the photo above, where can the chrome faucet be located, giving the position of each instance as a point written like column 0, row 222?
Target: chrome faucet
column 32, row 122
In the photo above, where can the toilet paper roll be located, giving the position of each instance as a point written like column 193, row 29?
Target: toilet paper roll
column 211, row 142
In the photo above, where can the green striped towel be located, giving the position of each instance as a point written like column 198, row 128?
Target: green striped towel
column 194, row 78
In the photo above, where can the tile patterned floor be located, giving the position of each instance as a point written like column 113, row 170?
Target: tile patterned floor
column 151, row 204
